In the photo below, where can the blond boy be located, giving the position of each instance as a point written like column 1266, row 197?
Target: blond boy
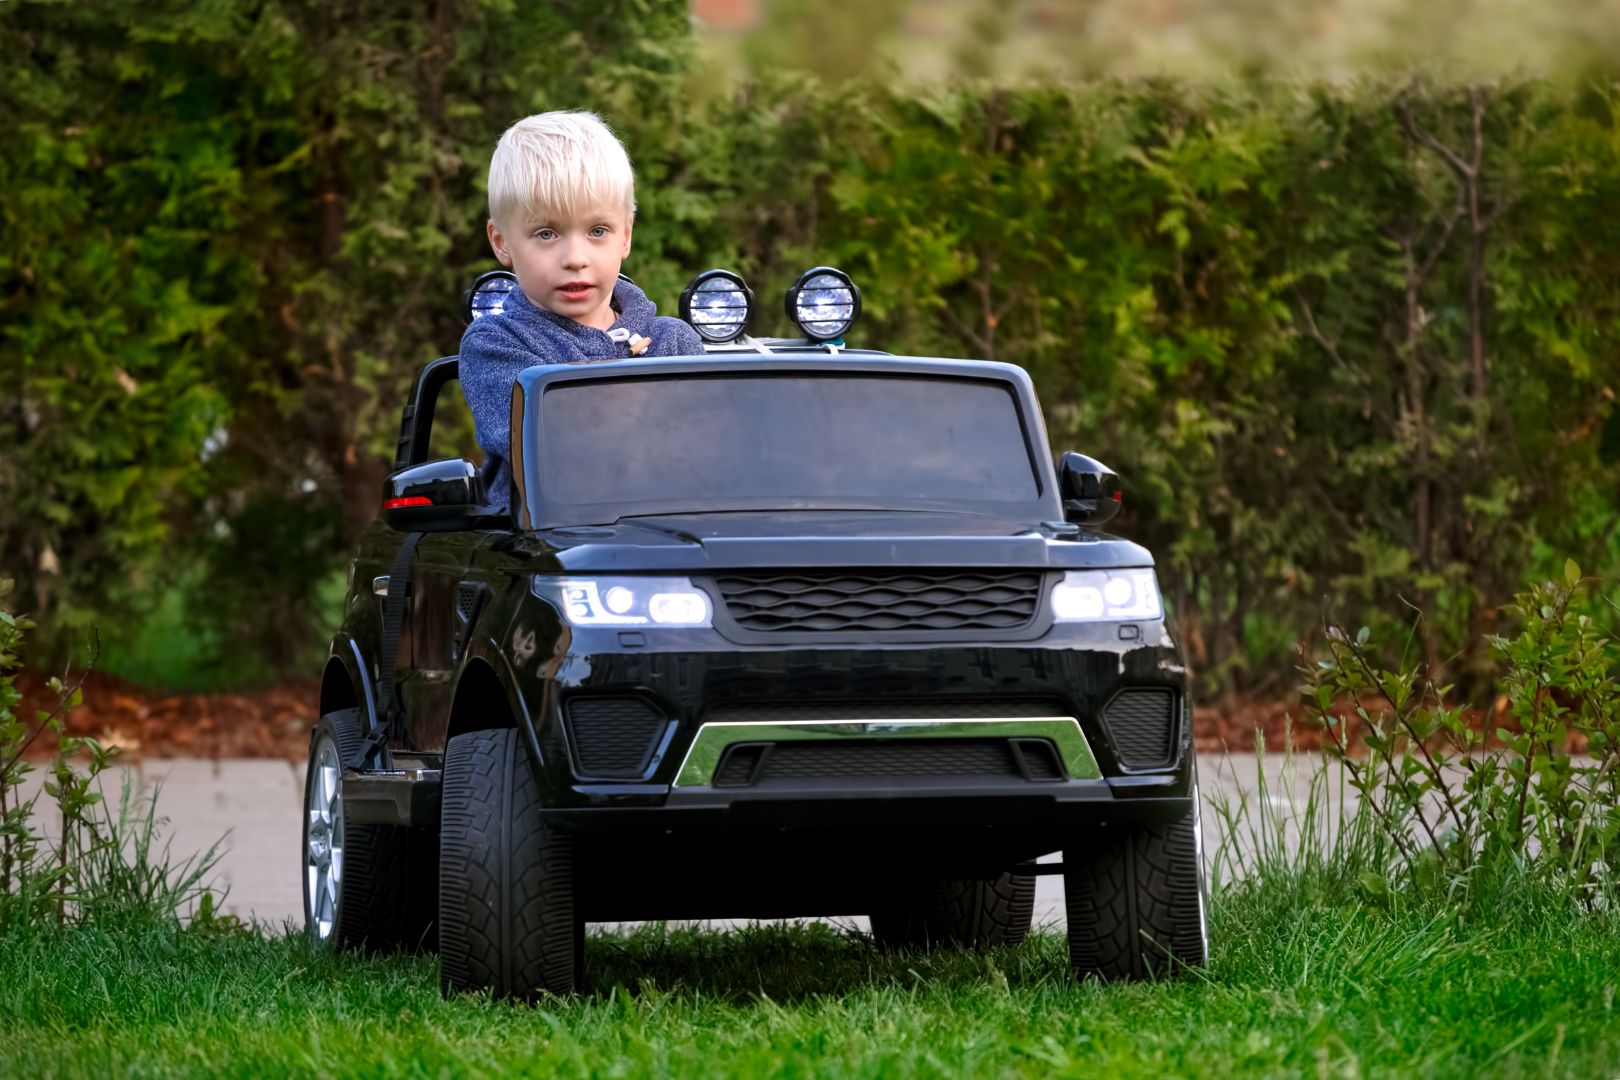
column 562, row 206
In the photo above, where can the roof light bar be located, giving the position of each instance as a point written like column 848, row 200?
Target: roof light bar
column 824, row 303
column 488, row 294
column 716, row 304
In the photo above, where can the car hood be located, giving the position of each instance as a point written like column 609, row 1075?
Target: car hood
column 697, row 542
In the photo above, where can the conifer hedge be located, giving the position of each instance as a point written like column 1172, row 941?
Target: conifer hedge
column 1347, row 344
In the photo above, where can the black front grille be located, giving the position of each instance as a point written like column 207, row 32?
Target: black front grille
column 613, row 737
column 898, row 760
column 1141, row 722
column 877, row 601
column 886, row 760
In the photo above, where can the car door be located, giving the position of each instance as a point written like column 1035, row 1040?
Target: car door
column 444, row 599
column 440, row 599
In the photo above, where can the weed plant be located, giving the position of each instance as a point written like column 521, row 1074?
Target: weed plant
column 104, row 865
column 1454, row 799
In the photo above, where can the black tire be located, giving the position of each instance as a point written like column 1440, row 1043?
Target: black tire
column 972, row 914
column 386, row 893
column 509, row 921
column 1135, row 902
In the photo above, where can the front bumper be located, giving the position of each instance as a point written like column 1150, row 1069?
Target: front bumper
column 709, row 694
column 693, row 680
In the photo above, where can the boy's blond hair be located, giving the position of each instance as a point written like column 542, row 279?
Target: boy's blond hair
column 559, row 162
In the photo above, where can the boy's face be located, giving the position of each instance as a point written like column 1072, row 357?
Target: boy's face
column 566, row 266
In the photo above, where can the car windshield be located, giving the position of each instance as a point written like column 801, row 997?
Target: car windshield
column 617, row 447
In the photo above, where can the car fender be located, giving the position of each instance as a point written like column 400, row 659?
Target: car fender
column 346, row 650
column 511, row 630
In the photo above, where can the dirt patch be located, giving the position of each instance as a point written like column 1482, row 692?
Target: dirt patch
column 266, row 722
column 274, row 721
column 1241, row 724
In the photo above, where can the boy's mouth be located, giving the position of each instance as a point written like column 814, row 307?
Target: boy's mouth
column 574, row 290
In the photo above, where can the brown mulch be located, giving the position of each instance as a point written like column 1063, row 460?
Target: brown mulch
column 265, row 722
column 1238, row 723
column 274, row 721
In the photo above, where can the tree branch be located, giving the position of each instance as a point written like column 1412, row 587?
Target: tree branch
column 1423, row 272
column 965, row 330
column 1315, row 334
column 1417, row 133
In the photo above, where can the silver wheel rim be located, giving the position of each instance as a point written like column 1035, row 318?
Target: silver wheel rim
column 323, row 841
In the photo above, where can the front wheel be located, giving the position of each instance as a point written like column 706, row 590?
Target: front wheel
column 1135, row 900
column 506, row 881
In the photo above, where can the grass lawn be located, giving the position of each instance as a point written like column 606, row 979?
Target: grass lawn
column 1300, row 984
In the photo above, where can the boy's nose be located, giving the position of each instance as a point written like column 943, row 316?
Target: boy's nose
column 575, row 257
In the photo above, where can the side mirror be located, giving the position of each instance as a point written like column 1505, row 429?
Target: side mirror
column 437, row 496
column 1089, row 489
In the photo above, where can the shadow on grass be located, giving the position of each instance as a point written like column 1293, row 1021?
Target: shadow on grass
column 789, row 962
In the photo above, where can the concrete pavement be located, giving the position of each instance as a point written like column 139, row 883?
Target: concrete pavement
column 255, row 807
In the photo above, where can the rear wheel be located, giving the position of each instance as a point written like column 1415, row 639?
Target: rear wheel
column 365, row 886
column 506, row 881
column 1135, row 900
column 972, row 913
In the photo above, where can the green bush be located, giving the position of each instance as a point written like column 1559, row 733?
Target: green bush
column 1345, row 342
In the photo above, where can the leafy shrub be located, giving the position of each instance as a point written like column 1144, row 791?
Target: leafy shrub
column 1452, row 793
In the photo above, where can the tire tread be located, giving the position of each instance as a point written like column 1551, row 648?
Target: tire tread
column 508, row 917
column 1134, row 901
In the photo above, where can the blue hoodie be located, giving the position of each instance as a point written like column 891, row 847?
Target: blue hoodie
column 496, row 347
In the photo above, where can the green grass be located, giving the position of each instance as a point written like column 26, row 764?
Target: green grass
column 1302, row 982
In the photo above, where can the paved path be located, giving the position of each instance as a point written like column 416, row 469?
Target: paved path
column 256, row 807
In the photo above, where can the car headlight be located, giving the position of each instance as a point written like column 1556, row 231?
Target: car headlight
column 626, row 601
column 1099, row 595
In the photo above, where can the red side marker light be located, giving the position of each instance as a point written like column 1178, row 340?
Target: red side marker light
column 1119, row 496
column 407, row 500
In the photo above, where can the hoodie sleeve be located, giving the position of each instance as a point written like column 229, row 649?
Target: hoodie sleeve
column 674, row 337
column 491, row 358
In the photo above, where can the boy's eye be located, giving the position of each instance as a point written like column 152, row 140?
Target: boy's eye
column 545, row 234
column 599, row 231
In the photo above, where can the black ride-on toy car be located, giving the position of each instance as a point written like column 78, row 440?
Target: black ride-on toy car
column 785, row 629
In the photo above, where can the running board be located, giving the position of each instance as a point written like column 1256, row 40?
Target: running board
column 408, row 797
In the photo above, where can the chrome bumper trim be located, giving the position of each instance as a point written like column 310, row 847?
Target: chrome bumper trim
column 713, row 739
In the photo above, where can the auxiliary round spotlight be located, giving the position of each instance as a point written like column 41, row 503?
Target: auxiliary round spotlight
column 824, row 303
column 488, row 294
column 716, row 304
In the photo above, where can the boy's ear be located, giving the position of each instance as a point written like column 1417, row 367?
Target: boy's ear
column 497, row 243
column 629, row 228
